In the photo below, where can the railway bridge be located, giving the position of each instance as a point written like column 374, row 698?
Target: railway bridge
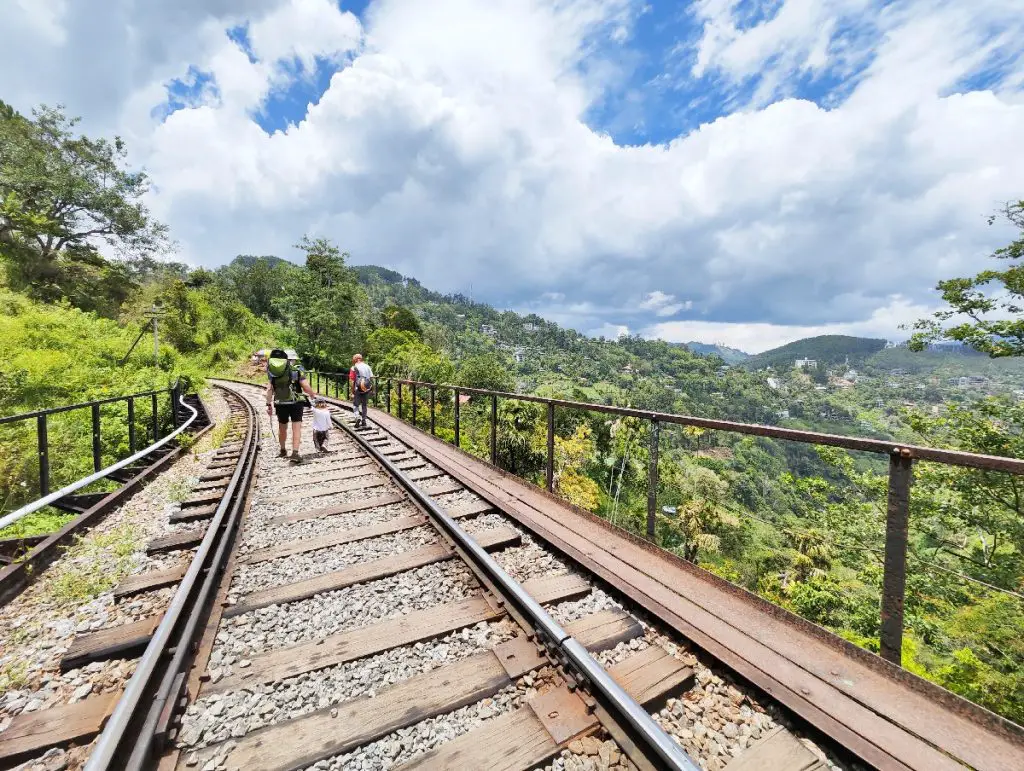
column 399, row 603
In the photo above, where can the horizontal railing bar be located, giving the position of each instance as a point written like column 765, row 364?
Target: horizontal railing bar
column 880, row 446
column 28, row 508
column 69, row 407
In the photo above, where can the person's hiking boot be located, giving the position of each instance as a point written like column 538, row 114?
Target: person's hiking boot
column 296, row 458
column 283, row 453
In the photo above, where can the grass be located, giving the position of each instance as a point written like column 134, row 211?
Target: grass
column 178, row 490
column 218, row 434
column 44, row 521
column 94, row 565
column 14, row 676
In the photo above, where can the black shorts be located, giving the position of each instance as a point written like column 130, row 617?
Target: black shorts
column 290, row 411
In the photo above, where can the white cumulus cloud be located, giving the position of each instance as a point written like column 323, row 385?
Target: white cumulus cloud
column 454, row 145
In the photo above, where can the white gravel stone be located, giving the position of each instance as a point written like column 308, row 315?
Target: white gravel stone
column 273, row 702
column 280, row 625
column 263, row 575
column 260, row 535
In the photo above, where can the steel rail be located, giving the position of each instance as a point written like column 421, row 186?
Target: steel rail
column 128, row 738
column 46, row 500
column 660, row 747
column 878, row 446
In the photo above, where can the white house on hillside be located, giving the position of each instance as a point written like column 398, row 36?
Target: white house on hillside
column 809, row 363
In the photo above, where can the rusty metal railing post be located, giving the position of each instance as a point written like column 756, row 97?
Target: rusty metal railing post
column 399, row 399
column 348, row 389
column 317, row 382
column 549, row 477
column 894, row 580
column 433, row 417
column 43, row 440
column 387, row 398
column 97, row 459
column 652, row 480
column 414, row 390
column 494, row 430
column 131, row 425
column 156, row 419
column 458, row 405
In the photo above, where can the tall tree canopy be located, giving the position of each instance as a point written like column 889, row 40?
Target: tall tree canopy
column 61, row 194
column 992, row 301
column 327, row 309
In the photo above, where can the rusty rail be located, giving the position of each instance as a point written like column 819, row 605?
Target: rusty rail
column 901, row 462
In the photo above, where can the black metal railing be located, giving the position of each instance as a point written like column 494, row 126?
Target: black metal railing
column 901, row 462
column 41, row 418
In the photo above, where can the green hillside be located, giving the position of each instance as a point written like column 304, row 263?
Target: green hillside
column 824, row 349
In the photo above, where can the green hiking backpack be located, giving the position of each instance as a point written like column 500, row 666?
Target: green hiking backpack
column 286, row 380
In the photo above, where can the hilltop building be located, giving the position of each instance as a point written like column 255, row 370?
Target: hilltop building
column 808, row 363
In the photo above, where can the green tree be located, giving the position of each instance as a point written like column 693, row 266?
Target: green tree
column 61, row 192
column 992, row 300
column 572, row 455
column 486, row 371
column 402, row 319
column 701, row 515
column 324, row 304
column 381, row 342
column 257, row 282
column 519, row 438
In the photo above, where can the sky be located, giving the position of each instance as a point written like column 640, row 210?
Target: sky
column 744, row 172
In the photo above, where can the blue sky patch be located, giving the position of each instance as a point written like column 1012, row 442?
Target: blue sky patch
column 185, row 92
column 660, row 99
column 240, row 37
column 288, row 106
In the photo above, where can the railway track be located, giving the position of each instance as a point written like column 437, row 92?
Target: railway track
column 364, row 620
column 369, row 610
column 83, row 675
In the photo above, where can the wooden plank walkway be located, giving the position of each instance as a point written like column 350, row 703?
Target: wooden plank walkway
column 888, row 717
column 362, row 572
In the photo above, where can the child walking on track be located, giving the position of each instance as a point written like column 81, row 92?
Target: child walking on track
column 321, row 424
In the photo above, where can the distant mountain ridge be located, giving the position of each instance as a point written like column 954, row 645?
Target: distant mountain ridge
column 724, row 352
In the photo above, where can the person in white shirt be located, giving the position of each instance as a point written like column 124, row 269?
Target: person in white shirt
column 362, row 386
column 321, row 424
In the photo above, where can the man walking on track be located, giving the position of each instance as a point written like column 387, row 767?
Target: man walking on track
column 285, row 387
column 361, row 377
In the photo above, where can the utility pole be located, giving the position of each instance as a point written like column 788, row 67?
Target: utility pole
column 155, row 313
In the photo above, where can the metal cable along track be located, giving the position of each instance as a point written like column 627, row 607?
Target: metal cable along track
column 21, row 559
column 637, row 732
column 135, row 733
